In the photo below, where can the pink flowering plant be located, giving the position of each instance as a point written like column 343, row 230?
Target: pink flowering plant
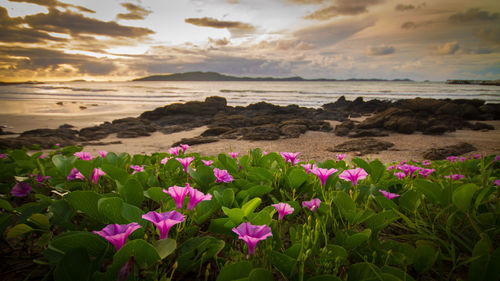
column 266, row 214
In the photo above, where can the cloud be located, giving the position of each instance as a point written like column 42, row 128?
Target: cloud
column 380, row 50
column 307, row 2
column 473, row 14
column 489, row 35
column 135, row 12
column 409, row 7
column 53, row 4
column 219, row 42
column 284, row 45
column 343, row 8
column 215, row 23
column 40, row 60
column 332, row 32
column 448, row 48
column 11, row 31
column 73, row 23
column 412, row 25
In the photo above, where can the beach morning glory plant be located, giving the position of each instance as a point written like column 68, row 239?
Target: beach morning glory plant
column 164, row 221
column 353, row 175
column 20, row 189
column 252, row 234
column 196, row 196
column 84, row 155
column 283, row 209
column 117, row 234
column 185, row 162
column 388, row 195
column 291, row 157
column 323, row 174
column 312, row 204
column 222, row 176
column 96, row 174
column 137, row 168
column 178, row 193
column 74, row 174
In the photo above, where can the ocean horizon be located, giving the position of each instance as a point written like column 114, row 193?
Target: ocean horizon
column 133, row 97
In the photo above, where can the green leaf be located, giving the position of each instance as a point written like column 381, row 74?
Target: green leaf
column 462, row 196
column 85, row 201
column 377, row 170
column 345, row 203
column 324, row 278
column 234, row 271
column 397, row 273
column 264, row 217
column 19, row 230
column 62, row 211
column 156, row 194
column 363, row 271
column 75, row 265
column 133, row 214
column 132, row 192
column 111, row 208
column 296, row 177
column 204, row 210
column 114, row 172
column 492, row 272
column 95, row 244
column 261, row 274
column 250, row 206
column 5, row 221
column 381, row 220
column 337, row 252
column 362, row 164
column 197, row 251
column 257, row 174
column 385, row 203
column 63, row 164
column 228, row 163
column 40, row 221
column 283, row 263
column 431, row 190
column 357, row 239
column 85, row 167
column 258, row 191
column 425, row 256
column 145, row 256
column 409, row 201
column 228, row 197
column 4, row 204
column 481, row 252
column 221, row 226
column 235, row 215
column 165, row 247
column 203, row 176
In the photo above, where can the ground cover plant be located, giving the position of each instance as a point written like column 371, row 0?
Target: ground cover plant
column 70, row 215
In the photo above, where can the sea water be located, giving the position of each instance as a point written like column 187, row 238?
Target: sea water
column 86, row 98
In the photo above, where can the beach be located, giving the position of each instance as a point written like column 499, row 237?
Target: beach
column 312, row 145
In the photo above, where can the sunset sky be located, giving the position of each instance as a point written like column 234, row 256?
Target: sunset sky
column 60, row 40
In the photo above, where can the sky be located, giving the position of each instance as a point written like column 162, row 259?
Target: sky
column 101, row 40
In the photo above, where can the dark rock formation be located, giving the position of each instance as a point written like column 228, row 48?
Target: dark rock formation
column 363, row 146
column 451, row 150
column 195, row 141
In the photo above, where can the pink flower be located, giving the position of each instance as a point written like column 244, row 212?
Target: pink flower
column 185, row 162
column 340, row 157
column 207, row 162
column 96, row 174
column 353, row 175
column 452, row 158
column 308, row 167
column 164, row 221
column 184, row 147
column 455, row 177
column 102, row 153
column 400, row 175
column 312, row 204
column 137, row 168
column 497, row 158
column 323, row 174
column 391, row 168
column 58, row 144
column 409, row 170
column 84, row 155
column 42, row 156
column 165, row 160
column 476, row 156
column 222, row 176
column 264, row 153
column 175, row 150
column 178, row 193
column 75, row 174
column 117, row 234
column 497, row 182
column 283, row 209
column 388, row 195
column 3, row 156
column 40, row 178
column 462, row 159
column 196, row 196
column 426, row 162
column 20, row 189
column 252, row 234
column 233, row 154
column 426, row 172
column 290, row 157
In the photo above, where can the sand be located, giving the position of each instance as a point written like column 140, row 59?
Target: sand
column 312, row 145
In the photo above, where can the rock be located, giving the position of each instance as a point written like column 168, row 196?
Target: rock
column 482, row 126
column 420, row 104
column 361, row 133
column 344, row 128
column 450, row 108
column 66, row 126
column 293, row 131
column 435, row 130
column 363, row 145
column 3, row 133
column 216, row 131
column 406, row 125
column 195, row 141
column 66, row 134
column 470, row 112
column 232, row 121
column 378, row 120
column 451, row 150
column 265, row 132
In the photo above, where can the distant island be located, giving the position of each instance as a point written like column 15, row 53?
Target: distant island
column 214, row 76
column 475, row 82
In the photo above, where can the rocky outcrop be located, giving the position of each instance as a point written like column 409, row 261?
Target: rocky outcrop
column 362, row 146
column 441, row 153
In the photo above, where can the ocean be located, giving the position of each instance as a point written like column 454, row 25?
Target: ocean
column 133, row 98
